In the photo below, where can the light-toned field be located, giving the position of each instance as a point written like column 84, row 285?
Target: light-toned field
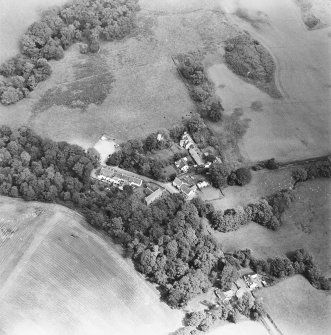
column 321, row 9
column 58, row 276
column 105, row 147
column 245, row 327
column 299, row 124
column 297, row 307
column 305, row 225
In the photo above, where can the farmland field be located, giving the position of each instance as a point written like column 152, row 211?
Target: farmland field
column 58, row 276
column 297, row 307
column 306, row 225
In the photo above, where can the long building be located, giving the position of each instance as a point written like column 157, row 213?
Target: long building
column 110, row 175
column 152, row 197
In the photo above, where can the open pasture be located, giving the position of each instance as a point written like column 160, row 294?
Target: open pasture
column 306, row 224
column 296, row 126
column 131, row 87
column 297, row 308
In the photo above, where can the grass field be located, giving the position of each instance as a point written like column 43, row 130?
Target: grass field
column 305, row 225
column 131, row 87
column 58, row 276
column 297, row 125
column 316, row 14
column 263, row 183
column 297, row 307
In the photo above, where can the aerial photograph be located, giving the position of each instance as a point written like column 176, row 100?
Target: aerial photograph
column 165, row 167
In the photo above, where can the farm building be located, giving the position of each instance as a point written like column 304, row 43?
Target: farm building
column 253, row 281
column 202, row 184
column 186, row 189
column 207, row 165
column 226, row 296
column 186, row 141
column 152, row 197
column 177, row 183
column 196, row 157
column 182, row 165
column 110, row 175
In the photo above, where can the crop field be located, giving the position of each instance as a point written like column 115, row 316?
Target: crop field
column 305, row 225
column 58, row 276
column 297, row 308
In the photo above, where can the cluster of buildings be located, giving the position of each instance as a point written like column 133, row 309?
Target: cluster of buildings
column 187, row 143
column 247, row 283
column 187, row 190
column 182, row 164
column 111, row 176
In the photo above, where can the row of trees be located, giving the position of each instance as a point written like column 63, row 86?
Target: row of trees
column 266, row 212
column 200, row 88
column 87, row 21
column 298, row 262
column 167, row 241
column 221, row 176
column 321, row 169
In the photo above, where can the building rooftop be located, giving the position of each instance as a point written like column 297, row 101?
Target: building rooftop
column 196, row 156
column 152, row 197
column 177, row 182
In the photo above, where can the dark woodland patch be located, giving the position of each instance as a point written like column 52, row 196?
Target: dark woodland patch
column 92, row 84
column 78, row 94
column 257, row 106
column 250, row 60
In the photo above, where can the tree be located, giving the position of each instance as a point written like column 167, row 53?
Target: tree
column 228, row 275
column 11, row 95
column 215, row 115
column 219, row 173
column 206, row 323
column 271, row 164
column 7, row 68
column 241, row 177
column 94, row 156
column 281, row 267
column 299, row 174
column 257, row 310
column 194, row 319
column 195, row 124
column 262, row 213
column 199, row 94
